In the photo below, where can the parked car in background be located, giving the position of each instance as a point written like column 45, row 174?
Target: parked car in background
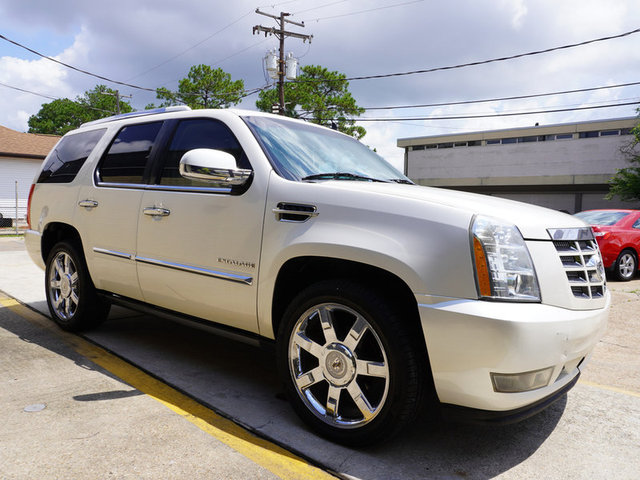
column 618, row 235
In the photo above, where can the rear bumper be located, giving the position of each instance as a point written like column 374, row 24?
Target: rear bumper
column 33, row 242
column 468, row 340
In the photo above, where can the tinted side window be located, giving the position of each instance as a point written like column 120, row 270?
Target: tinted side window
column 637, row 224
column 127, row 157
column 68, row 156
column 199, row 133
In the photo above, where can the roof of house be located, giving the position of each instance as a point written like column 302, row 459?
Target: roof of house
column 25, row 145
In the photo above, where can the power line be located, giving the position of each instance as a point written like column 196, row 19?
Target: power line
column 50, row 97
column 192, row 47
column 75, row 68
column 365, row 11
column 493, row 115
column 502, row 99
column 473, row 64
column 29, row 91
column 217, row 62
column 319, row 7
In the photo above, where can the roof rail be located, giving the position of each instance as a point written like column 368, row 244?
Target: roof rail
column 176, row 108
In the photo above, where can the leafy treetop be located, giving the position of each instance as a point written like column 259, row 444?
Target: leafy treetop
column 626, row 182
column 62, row 115
column 321, row 96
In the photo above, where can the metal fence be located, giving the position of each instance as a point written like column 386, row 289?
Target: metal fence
column 13, row 208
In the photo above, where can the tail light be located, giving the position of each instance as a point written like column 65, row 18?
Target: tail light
column 600, row 235
column 29, row 206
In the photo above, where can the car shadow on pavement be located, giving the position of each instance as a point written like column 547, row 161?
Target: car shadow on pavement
column 240, row 382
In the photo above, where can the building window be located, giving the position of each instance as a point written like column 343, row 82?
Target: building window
column 509, row 140
column 493, row 142
column 593, row 134
column 608, row 133
column 564, row 136
column 417, row 147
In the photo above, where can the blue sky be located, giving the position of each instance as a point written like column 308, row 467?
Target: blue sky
column 137, row 41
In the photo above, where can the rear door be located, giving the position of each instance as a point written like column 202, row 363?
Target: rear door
column 108, row 211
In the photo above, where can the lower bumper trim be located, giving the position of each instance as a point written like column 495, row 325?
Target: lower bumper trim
column 472, row 415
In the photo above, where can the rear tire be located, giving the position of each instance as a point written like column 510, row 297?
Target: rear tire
column 72, row 299
column 626, row 266
column 350, row 366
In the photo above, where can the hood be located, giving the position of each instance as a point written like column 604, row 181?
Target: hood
column 532, row 220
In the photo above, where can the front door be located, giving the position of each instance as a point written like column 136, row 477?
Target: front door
column 199, row 245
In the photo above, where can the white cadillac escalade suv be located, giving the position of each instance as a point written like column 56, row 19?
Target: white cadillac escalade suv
column 381, row 297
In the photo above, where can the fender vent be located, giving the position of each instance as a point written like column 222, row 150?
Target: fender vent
column 294, row 212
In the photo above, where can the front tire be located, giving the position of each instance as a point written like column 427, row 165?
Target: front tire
column 350, row 366
column 72, row 299
column 626, row 266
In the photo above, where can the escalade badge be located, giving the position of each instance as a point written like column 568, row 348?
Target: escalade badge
column 236, row 263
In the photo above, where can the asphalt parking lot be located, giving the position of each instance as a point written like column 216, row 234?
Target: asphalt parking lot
column 145, row 398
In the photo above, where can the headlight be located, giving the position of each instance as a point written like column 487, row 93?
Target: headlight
column 503, row 266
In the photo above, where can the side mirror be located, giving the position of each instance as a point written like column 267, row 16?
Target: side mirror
column 213, row 166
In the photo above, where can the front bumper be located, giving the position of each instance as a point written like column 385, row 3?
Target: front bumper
column 467, row 340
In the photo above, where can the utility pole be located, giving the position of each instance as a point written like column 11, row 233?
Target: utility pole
column 118, row 97
column 281, row 33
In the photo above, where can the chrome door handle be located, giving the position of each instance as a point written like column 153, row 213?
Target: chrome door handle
column 157, row 211
column 88, row 203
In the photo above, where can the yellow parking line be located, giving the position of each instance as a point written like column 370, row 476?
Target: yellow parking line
column 607, row 387
column 274, row 458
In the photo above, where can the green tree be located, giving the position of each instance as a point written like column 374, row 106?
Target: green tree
column 626, row 182
column 204, row 87
column 319, row 95
column 60, row 116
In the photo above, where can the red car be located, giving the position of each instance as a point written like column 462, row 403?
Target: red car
column 618, row 236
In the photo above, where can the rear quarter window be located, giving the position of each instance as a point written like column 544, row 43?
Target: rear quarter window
column 67, row 157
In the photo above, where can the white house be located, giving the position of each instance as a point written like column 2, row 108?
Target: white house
column 21, row 155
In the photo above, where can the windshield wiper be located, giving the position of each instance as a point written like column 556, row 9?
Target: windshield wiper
column 342, row 176
column 402, row 180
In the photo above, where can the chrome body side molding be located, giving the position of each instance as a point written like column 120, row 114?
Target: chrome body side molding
column 232, row 277
column 113, row 253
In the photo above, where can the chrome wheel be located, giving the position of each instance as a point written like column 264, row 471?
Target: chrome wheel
column 626, row 266
column 338, row 365
column 63, row 286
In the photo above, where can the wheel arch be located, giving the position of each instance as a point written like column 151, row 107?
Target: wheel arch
column 634, row 251
column 298, row 273
column 56, row 232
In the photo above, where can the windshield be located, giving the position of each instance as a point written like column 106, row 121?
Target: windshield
column 601, row 217
column 306, row 152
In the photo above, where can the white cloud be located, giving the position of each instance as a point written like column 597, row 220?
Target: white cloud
column 123, row 40
column 518, row 10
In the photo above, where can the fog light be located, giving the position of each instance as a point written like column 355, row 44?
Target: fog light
column 521, row 382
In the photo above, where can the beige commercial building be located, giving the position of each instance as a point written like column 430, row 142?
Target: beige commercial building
column 564, row 166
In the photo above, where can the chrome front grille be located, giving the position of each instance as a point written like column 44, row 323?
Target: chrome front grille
column 583, row 265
